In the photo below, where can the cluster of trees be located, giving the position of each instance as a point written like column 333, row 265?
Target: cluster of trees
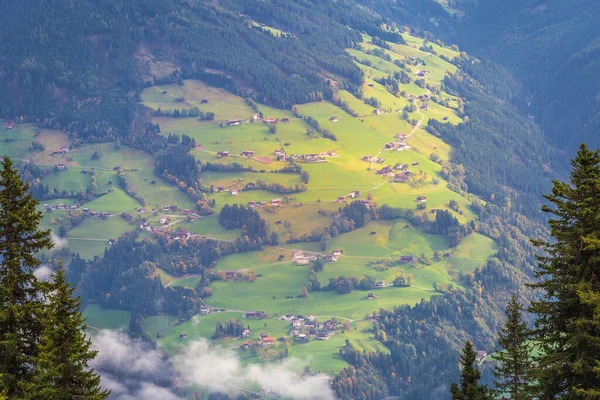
column 245, row 218
column 180, row 164
column 44, row 349
column 519, row 168
column 231, row 328
column 193, row 112
column 280, row 188
column 345, row 285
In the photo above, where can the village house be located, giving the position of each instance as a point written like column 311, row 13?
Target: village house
column 246, row 333
column 285, row 120
column 330, row 258
column 414, row 164
column 337, row 252
column 267, row 341
column 204, row 310
column 182, row 335
column 311, row 157
column 407, row 259
column 256, row 117
column 61, row 167
column 354, row 194
column 287, row 317
column 234, row 192
column 302, row 261
column 270, row 120
column 400, row 136
column 371, row 296
column 421, row 199
column 234, row 122
column 302, row 336
column 425, row 106
column 377, row 112
column 279, row 153
column 247, row 153
column 367, row 158
column 323, row 336
column 385, row 171
column 163, row 220
column 276, row 202
column 9, row 125
column 380, row 284
column 255, row 314
column 65, row 149
column 333, row 119
column 250, row 185
column 111, row 241
column 224, row 153
column 298, row 255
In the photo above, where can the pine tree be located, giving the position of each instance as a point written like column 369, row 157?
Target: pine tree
column 568, row 324
column 62, row 366
column 21, row 294
column 511, row 374
column 469, row 389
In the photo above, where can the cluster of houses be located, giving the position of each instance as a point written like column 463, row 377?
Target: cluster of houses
column 371, row 159
column 9, row 126
column 352, row 195
column 226, row 153
column 255, row 118
column 258, row 204
column 63, row 150
column 51, row 207
column 305, row 328
column 282, row 156
column 423, row 73
column 302, row 259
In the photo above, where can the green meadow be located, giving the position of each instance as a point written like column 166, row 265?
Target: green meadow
column 373, row 250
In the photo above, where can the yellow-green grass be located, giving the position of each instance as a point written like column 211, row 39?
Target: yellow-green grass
column 426, row 144
column 115, row 201
column 70, row 180
column 324, row 355
column 370, row 72
column 223, row 104
column 181, row 125
column 164, row 276
column 204, row 327
column 276, row 32
column 51, row 140
column 99, row 318
column 15, row 143
column 282, row 280
column 376, row 62
column 190, row 281
column 209, row 226
column 357, row 105
column 159, row 324
column 230, row 180
column 124, row 157
column 472, row 251
column 303, row 218
column 390, row 124
column 387, row 100
column 254, row 260
column 90, row 238
column 159, row 194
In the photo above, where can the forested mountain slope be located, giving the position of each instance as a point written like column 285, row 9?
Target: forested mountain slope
column 553, row 47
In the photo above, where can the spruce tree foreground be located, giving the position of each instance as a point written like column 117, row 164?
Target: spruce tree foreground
column 44, row 351
column 567, row 327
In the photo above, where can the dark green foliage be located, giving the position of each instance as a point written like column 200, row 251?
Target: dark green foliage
column 512, row 375
column 231, row 328
column 62, row 365
column 469, row 388
column 248, row 219
column 553, row 48
column 568, row 324
column 180, row 164
column 21, row 294
column 493, row 122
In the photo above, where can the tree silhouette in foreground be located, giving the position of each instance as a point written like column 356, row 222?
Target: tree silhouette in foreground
column 469, row 388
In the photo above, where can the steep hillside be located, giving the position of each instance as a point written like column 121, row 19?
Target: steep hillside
column 553, row 47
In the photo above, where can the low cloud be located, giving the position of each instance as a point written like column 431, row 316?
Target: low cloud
column 220, row 369
column 58, row 242
column 43, row 273
column 132, row 370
